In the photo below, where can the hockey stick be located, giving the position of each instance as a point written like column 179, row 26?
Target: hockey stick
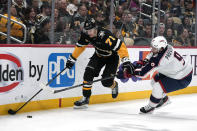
column 12, row 112
column 71, row 87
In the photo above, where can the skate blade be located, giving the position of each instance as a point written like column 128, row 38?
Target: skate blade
column 114, row 97
column 81, row 107
column 142, row 113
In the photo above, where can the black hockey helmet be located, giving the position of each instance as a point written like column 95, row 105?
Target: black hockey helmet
column 90, row 23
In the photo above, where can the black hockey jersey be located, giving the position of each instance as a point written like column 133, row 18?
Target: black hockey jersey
column 105, row 42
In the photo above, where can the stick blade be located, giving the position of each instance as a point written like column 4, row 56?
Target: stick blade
column 11, row 112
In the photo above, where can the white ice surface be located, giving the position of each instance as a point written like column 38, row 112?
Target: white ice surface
column 180, row 115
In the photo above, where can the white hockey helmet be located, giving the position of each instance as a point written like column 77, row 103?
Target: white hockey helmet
column 159, row 42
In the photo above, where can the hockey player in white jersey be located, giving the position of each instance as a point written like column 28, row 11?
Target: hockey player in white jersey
column 174, row 73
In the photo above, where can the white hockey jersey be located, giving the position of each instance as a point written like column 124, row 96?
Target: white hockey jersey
column 168, row 62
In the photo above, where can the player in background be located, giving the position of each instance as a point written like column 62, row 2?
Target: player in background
column 108, row 50
column 174, row 72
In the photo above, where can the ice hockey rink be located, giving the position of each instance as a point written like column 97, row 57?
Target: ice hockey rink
column 180, row 115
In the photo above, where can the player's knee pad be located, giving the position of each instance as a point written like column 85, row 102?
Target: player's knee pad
column 155, row 79
column 108, row 82
column 89, row 74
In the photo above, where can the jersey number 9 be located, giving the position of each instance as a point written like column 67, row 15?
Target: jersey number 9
column 179, row 57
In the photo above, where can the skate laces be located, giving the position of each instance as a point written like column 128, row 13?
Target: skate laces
column 114, row 90
column 148, row 107
column 164, row 100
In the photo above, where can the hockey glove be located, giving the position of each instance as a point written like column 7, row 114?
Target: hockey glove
column 128, row 67
column 121, row 76
column 70, row 62
column 140, row 63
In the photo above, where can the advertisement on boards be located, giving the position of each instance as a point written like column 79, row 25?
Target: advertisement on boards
column 11, row 71
column 23, row 69
column 56, row 63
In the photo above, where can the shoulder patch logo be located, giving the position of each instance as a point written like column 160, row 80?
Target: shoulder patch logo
column 152, row 64
column 101, row 34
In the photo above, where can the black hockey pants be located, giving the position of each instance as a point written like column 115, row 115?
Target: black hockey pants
column 94, row 67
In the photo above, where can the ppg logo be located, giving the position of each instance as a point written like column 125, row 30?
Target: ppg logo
column 56, row 63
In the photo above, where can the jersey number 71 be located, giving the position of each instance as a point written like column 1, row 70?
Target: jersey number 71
column 108, row 41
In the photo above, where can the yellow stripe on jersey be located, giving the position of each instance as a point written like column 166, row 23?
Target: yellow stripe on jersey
column 77, row 51
column 84, row 88
column 85, row 82
column 123, row 52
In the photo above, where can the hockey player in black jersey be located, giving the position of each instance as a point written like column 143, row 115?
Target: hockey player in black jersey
column 108, row 51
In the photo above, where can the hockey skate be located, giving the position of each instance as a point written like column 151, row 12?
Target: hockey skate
column 147, row 109
column 115, row 91
column 82, row 103
column 165, row 101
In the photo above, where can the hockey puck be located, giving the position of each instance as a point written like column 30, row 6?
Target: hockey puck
column 29, row 116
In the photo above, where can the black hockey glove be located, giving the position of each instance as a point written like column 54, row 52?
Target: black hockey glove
column 70, row 62
column 128, row 67
column 141, row 63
